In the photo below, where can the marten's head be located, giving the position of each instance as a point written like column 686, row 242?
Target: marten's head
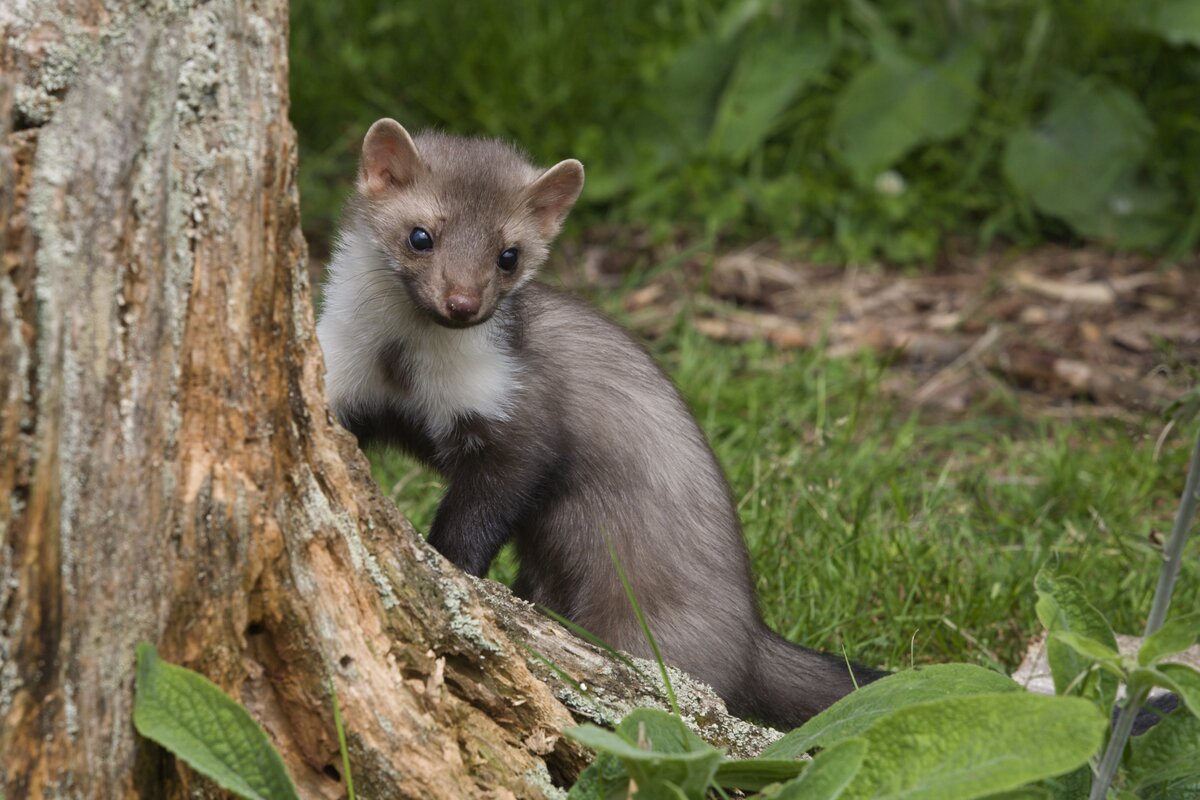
column 463, row 222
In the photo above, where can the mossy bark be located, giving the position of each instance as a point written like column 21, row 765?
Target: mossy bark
column 168, row 471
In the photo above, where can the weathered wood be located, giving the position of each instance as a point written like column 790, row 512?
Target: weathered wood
column 168, row 471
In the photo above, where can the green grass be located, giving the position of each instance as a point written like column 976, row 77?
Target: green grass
column 900, row 539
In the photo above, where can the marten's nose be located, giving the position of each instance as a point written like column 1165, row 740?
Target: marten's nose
column 461, row 306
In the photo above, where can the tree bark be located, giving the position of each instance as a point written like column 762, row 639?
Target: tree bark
column 168, row 471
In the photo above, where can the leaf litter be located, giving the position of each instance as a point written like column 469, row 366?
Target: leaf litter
column 1058, row 330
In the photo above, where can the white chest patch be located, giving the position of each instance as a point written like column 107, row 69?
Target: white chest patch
column 448, row 373
column 457, row 372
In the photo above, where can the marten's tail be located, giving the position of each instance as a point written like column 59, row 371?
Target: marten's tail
column 790, row 684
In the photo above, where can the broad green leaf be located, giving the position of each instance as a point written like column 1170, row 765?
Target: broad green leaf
column 827, row 776
column 862, row 708
column 191, row 717
column 692, row 85
column 1024, row 793
column 974, row 746
column 1064, row 609
column 753, row 774
column 690, row 89
column 1176, row 21
column 1181, row 679
column 892, row 106
column 770, row 71
column 1081, row 162
column 1170, row 751
column 658, row 751
column 604, row 778
column 1087, row 646
column 1175, row 636
column 1072, row 786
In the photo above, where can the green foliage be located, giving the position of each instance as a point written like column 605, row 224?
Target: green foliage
column 656, row 750
column 1168, row 753
column 974, row 746
column 1162, row 763
column 953, row 746
column 341, row 737
column 1181, row 679
column 897, row 103
column 859, row 711
column 827, row 777
column 1175, row 636
column 1082, row 162
column 191, row 717
column 754, row 774
column 871, row 128
column 1080, row 637
column 1177, row 21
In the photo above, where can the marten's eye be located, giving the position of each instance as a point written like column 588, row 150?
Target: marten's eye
column 507, row 260
column 420, row 239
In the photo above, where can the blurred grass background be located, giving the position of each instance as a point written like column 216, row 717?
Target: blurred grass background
column 845, row 132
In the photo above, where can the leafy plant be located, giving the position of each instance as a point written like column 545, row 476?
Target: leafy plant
column 1162, row 639
column 940, row 732
column 194, row 719
column 190, row 716
column 864, row 128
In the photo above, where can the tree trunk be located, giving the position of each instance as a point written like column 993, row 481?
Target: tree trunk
column 168, row 471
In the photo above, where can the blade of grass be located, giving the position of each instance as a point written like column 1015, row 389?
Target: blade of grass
column 641, row 618
column 341, row 734
column 557, row 670
column 588, row 636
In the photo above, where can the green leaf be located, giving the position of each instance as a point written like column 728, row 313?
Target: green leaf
column 1175, row 636
column 1024, row 793
column 892, row 106
column 1064, row 609
column 688, row 93
column 753, row 774
column 1072, row 786
column 1087, row 646
column 974, row 746
column 1093, row 652
column 1081, row 162
column 191, row 717
column 1186, row 408
column 1170, row 751
column 604, row 778
column 861, row 709
column 827, row 776
column 1176, row 21
column 1181, row 679
column 770, row 71
column 658, row 752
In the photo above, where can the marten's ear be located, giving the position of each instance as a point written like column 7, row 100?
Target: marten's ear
column 553, row 193
column 389, row 158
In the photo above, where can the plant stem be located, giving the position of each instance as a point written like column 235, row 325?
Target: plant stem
column 1173, row 555
column 1172, row 560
